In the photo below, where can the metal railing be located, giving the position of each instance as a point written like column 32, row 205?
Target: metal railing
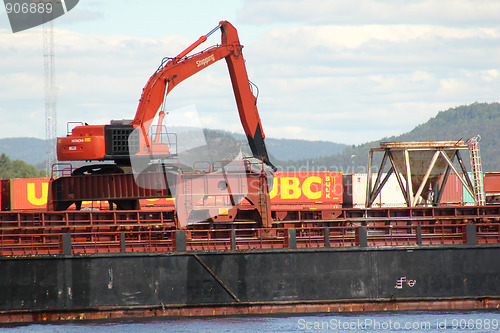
column 150, row 238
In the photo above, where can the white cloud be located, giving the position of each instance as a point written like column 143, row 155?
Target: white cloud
column 95, row 74
column 490, row 75
column 390, row 77
column 326, row 70
column 444, row 12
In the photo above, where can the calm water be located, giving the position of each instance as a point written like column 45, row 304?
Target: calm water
column 477, row 321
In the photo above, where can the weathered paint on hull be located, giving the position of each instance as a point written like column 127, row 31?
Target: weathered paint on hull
column 248, row 282
column 243, row 309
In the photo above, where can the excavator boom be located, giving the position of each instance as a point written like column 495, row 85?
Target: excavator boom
column 110, row 142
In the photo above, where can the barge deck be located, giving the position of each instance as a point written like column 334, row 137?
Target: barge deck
column 114, row 264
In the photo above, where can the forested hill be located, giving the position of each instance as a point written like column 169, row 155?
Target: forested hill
column 32, row 150
column 29, row 150
column 463, row 122
column 293, row 149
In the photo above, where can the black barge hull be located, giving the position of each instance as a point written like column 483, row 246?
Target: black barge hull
column 235, row 282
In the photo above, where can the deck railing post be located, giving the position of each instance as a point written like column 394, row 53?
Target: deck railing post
column 66, row 244
column 361, row 236
column 327, row 237
column 180, row 241
column 471, row 234
column 122, row 242
column 233, row 239
column 292, row 238
column 419, row 234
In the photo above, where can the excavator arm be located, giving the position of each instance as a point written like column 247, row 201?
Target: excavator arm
column 161, row 83
column 181, row 67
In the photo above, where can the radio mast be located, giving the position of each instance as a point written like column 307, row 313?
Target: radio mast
column 50, row 96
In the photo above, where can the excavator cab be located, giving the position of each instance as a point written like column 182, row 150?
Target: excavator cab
column 116, row 142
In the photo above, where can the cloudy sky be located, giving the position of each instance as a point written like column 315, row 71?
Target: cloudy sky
column 347, row 71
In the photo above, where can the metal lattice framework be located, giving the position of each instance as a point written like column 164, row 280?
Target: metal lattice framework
column 421, row 168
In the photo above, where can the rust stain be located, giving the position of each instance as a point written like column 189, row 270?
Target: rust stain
column 250, row 309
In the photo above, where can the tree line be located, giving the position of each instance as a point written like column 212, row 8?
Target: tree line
column 18, row 169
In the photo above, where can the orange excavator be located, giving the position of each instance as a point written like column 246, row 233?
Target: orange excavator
column 114, row 142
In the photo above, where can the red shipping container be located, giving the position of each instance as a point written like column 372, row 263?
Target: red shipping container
column 157, row 203
column 307, row 187
column 151, row 204
column 492, row 183
column 453, row 190
column 4, row 194
column 25, row 193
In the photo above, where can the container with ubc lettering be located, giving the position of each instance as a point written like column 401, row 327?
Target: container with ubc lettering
column 306, row 195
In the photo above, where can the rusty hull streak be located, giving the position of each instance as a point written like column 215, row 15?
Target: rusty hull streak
column 244, row 308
